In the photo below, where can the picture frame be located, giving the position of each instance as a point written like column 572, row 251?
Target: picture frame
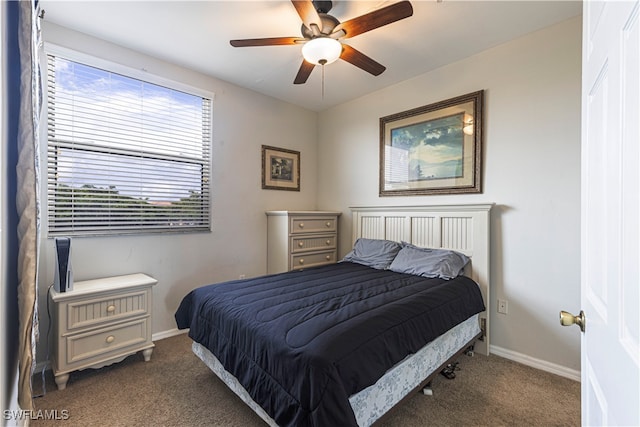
column 280, row 169
column 433, row 149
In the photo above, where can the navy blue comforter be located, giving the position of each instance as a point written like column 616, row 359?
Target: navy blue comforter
column 302, row 342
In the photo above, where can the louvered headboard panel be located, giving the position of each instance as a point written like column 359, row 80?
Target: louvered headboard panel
column 464, row 228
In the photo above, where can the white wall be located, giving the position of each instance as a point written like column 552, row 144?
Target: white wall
column 531, row 173
column 243, row 121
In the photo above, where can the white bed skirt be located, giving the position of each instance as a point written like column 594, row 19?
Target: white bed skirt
column 374, row 401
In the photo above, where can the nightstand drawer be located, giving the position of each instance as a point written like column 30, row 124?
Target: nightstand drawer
column 84, row 346
column 107, row 308
column 312, row 260
column 305, row 243
column 313, row 224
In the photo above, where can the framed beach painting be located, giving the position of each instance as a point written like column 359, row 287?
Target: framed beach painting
column 280, row 169
column 434, row 149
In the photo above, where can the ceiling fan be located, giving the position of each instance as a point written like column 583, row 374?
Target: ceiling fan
column 321, row 35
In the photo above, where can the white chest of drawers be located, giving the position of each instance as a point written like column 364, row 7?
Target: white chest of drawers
column 100, row 322
column 301, row 239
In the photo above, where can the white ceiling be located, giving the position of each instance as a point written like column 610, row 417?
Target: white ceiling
column 196, row 34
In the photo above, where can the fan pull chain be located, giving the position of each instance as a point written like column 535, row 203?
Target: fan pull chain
column 323, row 82
column 322, row 62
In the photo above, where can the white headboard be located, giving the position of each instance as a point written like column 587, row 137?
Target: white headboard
column 464, row 228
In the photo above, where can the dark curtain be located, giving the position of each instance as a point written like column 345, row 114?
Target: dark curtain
column 11, row 112
column 21, row 203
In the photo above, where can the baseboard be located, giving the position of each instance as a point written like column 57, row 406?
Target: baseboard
column 168, row 334
column 543, row 365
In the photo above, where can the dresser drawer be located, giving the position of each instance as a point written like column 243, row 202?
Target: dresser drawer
column 302, row 243
column 313, row 259
column 106, row 308
column 299, row 239
column 84, row 346
column 313, row 224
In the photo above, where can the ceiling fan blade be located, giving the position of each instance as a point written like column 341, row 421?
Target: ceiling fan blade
column 377, row 18
column 272, row 41
column 308, row 13
column 303, row 73
column 361, row 60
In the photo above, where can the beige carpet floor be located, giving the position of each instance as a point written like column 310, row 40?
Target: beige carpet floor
column 176, row 389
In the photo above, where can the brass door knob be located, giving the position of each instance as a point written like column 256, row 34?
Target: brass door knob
column 568, row 319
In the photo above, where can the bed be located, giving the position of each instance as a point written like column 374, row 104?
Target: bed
column 343, row 344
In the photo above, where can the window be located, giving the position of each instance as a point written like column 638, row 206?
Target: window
column 124, row 155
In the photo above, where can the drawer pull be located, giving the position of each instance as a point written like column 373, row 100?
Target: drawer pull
column 328, row 224
column 111, row 309
column 328, row 257
column 328, row 242
column 110, row 339
column 301, row 244
column 301, row 225
column 301, row 261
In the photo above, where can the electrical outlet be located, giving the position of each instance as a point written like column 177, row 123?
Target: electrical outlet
column 502, row 306
column 242, row 276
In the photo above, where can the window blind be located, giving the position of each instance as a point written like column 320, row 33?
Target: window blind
column 124, row 155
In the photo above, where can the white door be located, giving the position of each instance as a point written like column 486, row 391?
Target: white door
column 611, row 213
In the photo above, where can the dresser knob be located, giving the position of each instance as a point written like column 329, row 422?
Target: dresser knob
column 301, row 261
column 110, row 339
column 328, row 224
column 301, row 225
column 328, row 257
column 301, row 244
column 328, row 242
column 111, row 309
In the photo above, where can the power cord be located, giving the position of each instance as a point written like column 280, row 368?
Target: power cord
column 44, row 367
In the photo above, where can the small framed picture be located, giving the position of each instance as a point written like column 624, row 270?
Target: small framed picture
column 280, row 169
column 434, row 149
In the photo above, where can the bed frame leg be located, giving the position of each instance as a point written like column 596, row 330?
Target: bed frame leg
column 470, row 351
column 427, row 390
column 448, row 370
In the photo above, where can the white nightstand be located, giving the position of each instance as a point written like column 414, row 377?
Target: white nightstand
column 100, row 322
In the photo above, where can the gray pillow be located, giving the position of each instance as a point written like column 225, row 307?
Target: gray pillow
column 427, row 262
column 373, row 253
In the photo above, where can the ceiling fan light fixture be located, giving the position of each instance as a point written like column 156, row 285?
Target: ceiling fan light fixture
column 321, row 50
